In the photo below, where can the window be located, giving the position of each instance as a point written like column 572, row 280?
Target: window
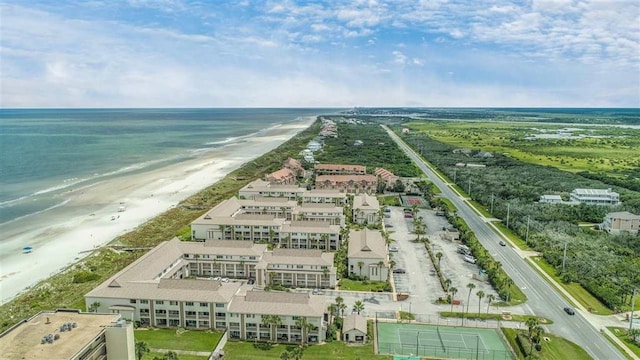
column 144, row 301
column 159, row 302
column 203, row 304
column 219, row 305
column 295, row 318
column 203, row 313
column 220, row 315
column 160, row 312
column 173, row 303
column 299, row 266
column 132, row 301
column 189, row 303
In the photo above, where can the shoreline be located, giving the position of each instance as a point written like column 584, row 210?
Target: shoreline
column 73, row 231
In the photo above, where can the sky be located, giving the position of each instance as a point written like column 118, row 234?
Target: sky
column 406, row 53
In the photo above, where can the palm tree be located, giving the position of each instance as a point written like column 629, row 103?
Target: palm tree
column 470, row 286
column 358, row 306
column 272, row 322
column 447, row 283
column 333, row 310
column 197, row 256
column 453, row 292
column 490, row 298
column 325, row 241
column 531, row 324
column 439, row 257
column 94, row 306
column 305, row 327
column 360, row 265
column 480, row 295
column 537, row 332
column 507, row 284
column 141, row 349
column 380, row 266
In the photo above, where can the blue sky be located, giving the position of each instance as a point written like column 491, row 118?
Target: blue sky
column 178, row 53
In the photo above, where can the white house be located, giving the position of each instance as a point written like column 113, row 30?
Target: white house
column 605, row 197
column 368, row 255
column 366, row 209
column 354, row 329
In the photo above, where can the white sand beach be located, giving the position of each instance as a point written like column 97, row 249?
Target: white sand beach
column 91, row 217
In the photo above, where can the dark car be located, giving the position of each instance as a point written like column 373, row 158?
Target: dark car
column 569, row 311
column 502, row 243
column 399, row 271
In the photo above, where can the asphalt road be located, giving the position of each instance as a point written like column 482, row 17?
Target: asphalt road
column 543, row 299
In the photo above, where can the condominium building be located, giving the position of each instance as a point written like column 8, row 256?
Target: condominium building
column 283, row 176
column 264, row 188
column 340, row 169
column 327, row 212
column 169, row 286
column 366, row 209
column 605, row 197
column 367, row 255
column 229, row 221
column 69, row 334
column 309, row 235
column 386, row 176
column 352, row 184
column 618, row 222
column 293, row 310
column 322, row 196
column 298, row 268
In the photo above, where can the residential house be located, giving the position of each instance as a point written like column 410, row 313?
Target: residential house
column 297, row 268
column 247, row 309
column 605, row 197
column 354, row 329
column 295, row 166
column 366, row 209
column 618, row 222
column 353, row 184
column 284, row 176
column 367, row 255
column 387, row 177
column 551, row 199
column 340, row 169
column 69, row 334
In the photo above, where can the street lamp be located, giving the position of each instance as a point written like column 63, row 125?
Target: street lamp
column 633, row 301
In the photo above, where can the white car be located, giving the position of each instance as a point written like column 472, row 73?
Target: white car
column 393, row 249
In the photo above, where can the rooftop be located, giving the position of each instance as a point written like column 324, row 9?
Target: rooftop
column 271, row 302
column 354, row 321
column 624, row 215
column 24, row 340
column 368, row 244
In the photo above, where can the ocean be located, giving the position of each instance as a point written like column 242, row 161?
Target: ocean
column 47, row 152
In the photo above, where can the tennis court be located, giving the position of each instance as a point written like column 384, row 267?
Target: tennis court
column 441, row 341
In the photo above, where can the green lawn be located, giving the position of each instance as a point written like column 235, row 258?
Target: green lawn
column 481, row 209
column 187, row 340
column 621, row 333
column 577, row 292
column 151, row 355
column 353, row 285
column 452, row 208
column 557, row 348
column 235, row 350
column 483, row 316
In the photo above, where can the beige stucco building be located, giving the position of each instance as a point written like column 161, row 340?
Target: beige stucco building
column 354, row 329
column 69, row 334
column 618, row 222
column 366, row 209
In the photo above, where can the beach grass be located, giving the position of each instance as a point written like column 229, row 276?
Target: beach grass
column 60, row 291
column 172, row 339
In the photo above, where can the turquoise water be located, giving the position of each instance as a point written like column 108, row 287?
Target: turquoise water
column 45, row 152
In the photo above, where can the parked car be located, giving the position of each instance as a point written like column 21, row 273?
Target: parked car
column 251, row 281
column 469, row 259
column 569, row 310
column 393, row 248
column 408, row 216
column 399, row 271
column 502, row 243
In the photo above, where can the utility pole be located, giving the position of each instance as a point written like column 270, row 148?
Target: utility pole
column 469, row 191
column 455, row 175
column 526, row 237
column 417, row 343
column 633, row 302
column 564, row 257
column 508, row 208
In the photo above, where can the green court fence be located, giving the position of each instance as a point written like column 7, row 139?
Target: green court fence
column 437, row 351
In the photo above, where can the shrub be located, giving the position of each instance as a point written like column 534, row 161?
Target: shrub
column 84, row 276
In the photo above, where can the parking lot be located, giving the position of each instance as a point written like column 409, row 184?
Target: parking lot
column 420, row 280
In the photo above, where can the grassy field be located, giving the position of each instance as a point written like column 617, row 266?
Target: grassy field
column 347, row 284
column 598, row 149
column 557, row 348
column 393, row 200
column 335, row 350
column 621, row 333
column 173, row 339
column 151, row 355
column 577, row 292
column 483, row 316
